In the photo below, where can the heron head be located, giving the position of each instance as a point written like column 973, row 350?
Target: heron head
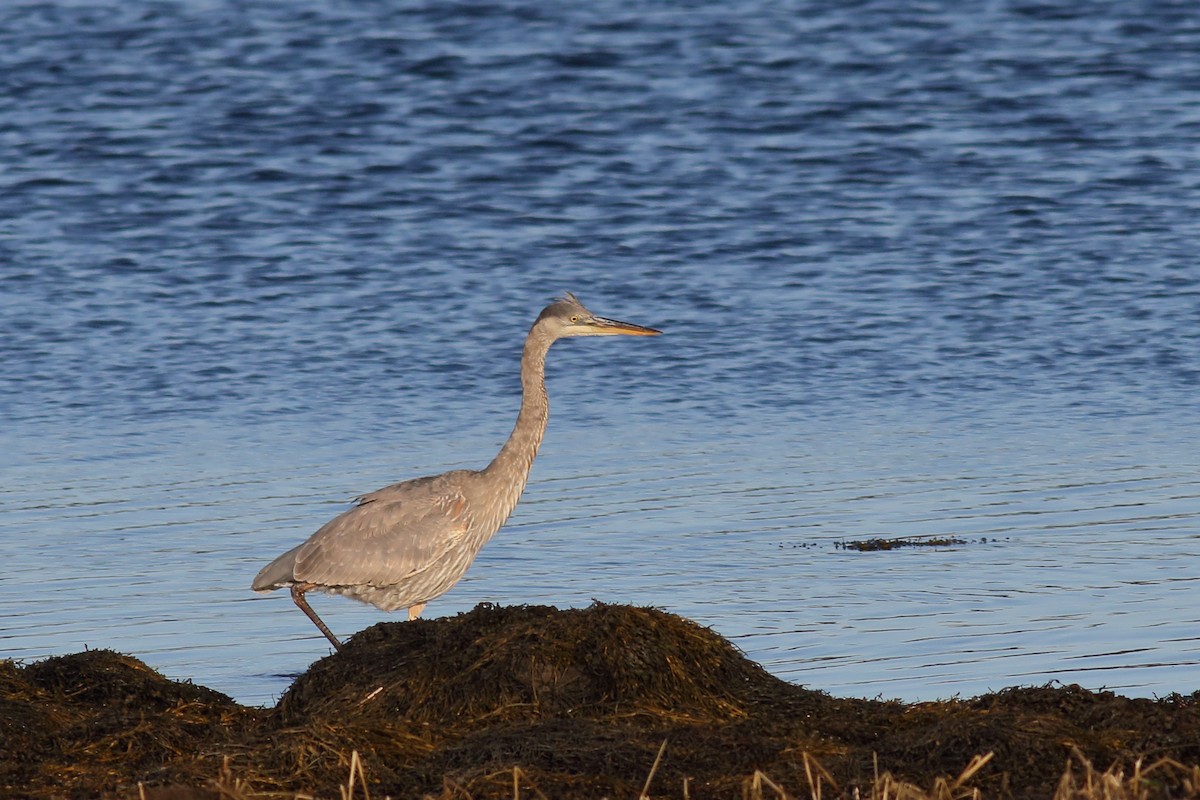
column 568, row 317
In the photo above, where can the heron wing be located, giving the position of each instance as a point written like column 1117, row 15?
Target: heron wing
column 390, row 536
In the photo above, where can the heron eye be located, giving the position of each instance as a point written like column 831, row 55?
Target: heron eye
column 574, row 318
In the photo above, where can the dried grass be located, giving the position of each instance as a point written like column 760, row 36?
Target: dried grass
column 1080, row 781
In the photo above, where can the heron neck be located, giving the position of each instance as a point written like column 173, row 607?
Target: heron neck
column 509, row 470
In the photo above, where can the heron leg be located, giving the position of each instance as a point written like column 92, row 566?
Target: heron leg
column 415, row 611
column 298, row 590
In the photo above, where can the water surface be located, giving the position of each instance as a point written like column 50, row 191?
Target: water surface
column 922, row 271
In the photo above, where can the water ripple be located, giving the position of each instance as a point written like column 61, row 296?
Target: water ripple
column 924, row 270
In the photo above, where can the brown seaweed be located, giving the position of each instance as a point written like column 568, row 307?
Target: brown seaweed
column 503, row 702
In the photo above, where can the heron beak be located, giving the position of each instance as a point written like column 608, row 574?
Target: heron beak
column 601, row 326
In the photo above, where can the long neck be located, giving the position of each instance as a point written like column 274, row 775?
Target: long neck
column 506, row 475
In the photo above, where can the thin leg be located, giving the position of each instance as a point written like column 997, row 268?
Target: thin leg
column 415, row 611
column 298, row 590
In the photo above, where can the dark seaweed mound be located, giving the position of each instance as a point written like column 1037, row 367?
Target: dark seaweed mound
column 579, row 700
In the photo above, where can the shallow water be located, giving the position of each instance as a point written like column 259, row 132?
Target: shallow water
column 921, row 271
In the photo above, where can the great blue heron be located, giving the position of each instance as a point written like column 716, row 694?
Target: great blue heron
column 408, row 543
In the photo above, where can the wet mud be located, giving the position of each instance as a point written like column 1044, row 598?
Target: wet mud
column 533, row 701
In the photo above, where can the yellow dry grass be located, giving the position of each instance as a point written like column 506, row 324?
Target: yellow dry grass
column 1080, row 781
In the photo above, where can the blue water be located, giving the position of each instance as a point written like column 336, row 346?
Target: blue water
column 922, row 268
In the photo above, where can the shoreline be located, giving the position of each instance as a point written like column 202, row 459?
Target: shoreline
column 503, row 701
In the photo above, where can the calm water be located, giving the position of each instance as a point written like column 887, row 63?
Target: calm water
column 923, row 270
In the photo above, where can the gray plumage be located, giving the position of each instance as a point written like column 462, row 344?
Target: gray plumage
column 405, row 544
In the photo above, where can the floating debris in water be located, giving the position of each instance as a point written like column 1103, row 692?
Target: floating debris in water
column 870, row 545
